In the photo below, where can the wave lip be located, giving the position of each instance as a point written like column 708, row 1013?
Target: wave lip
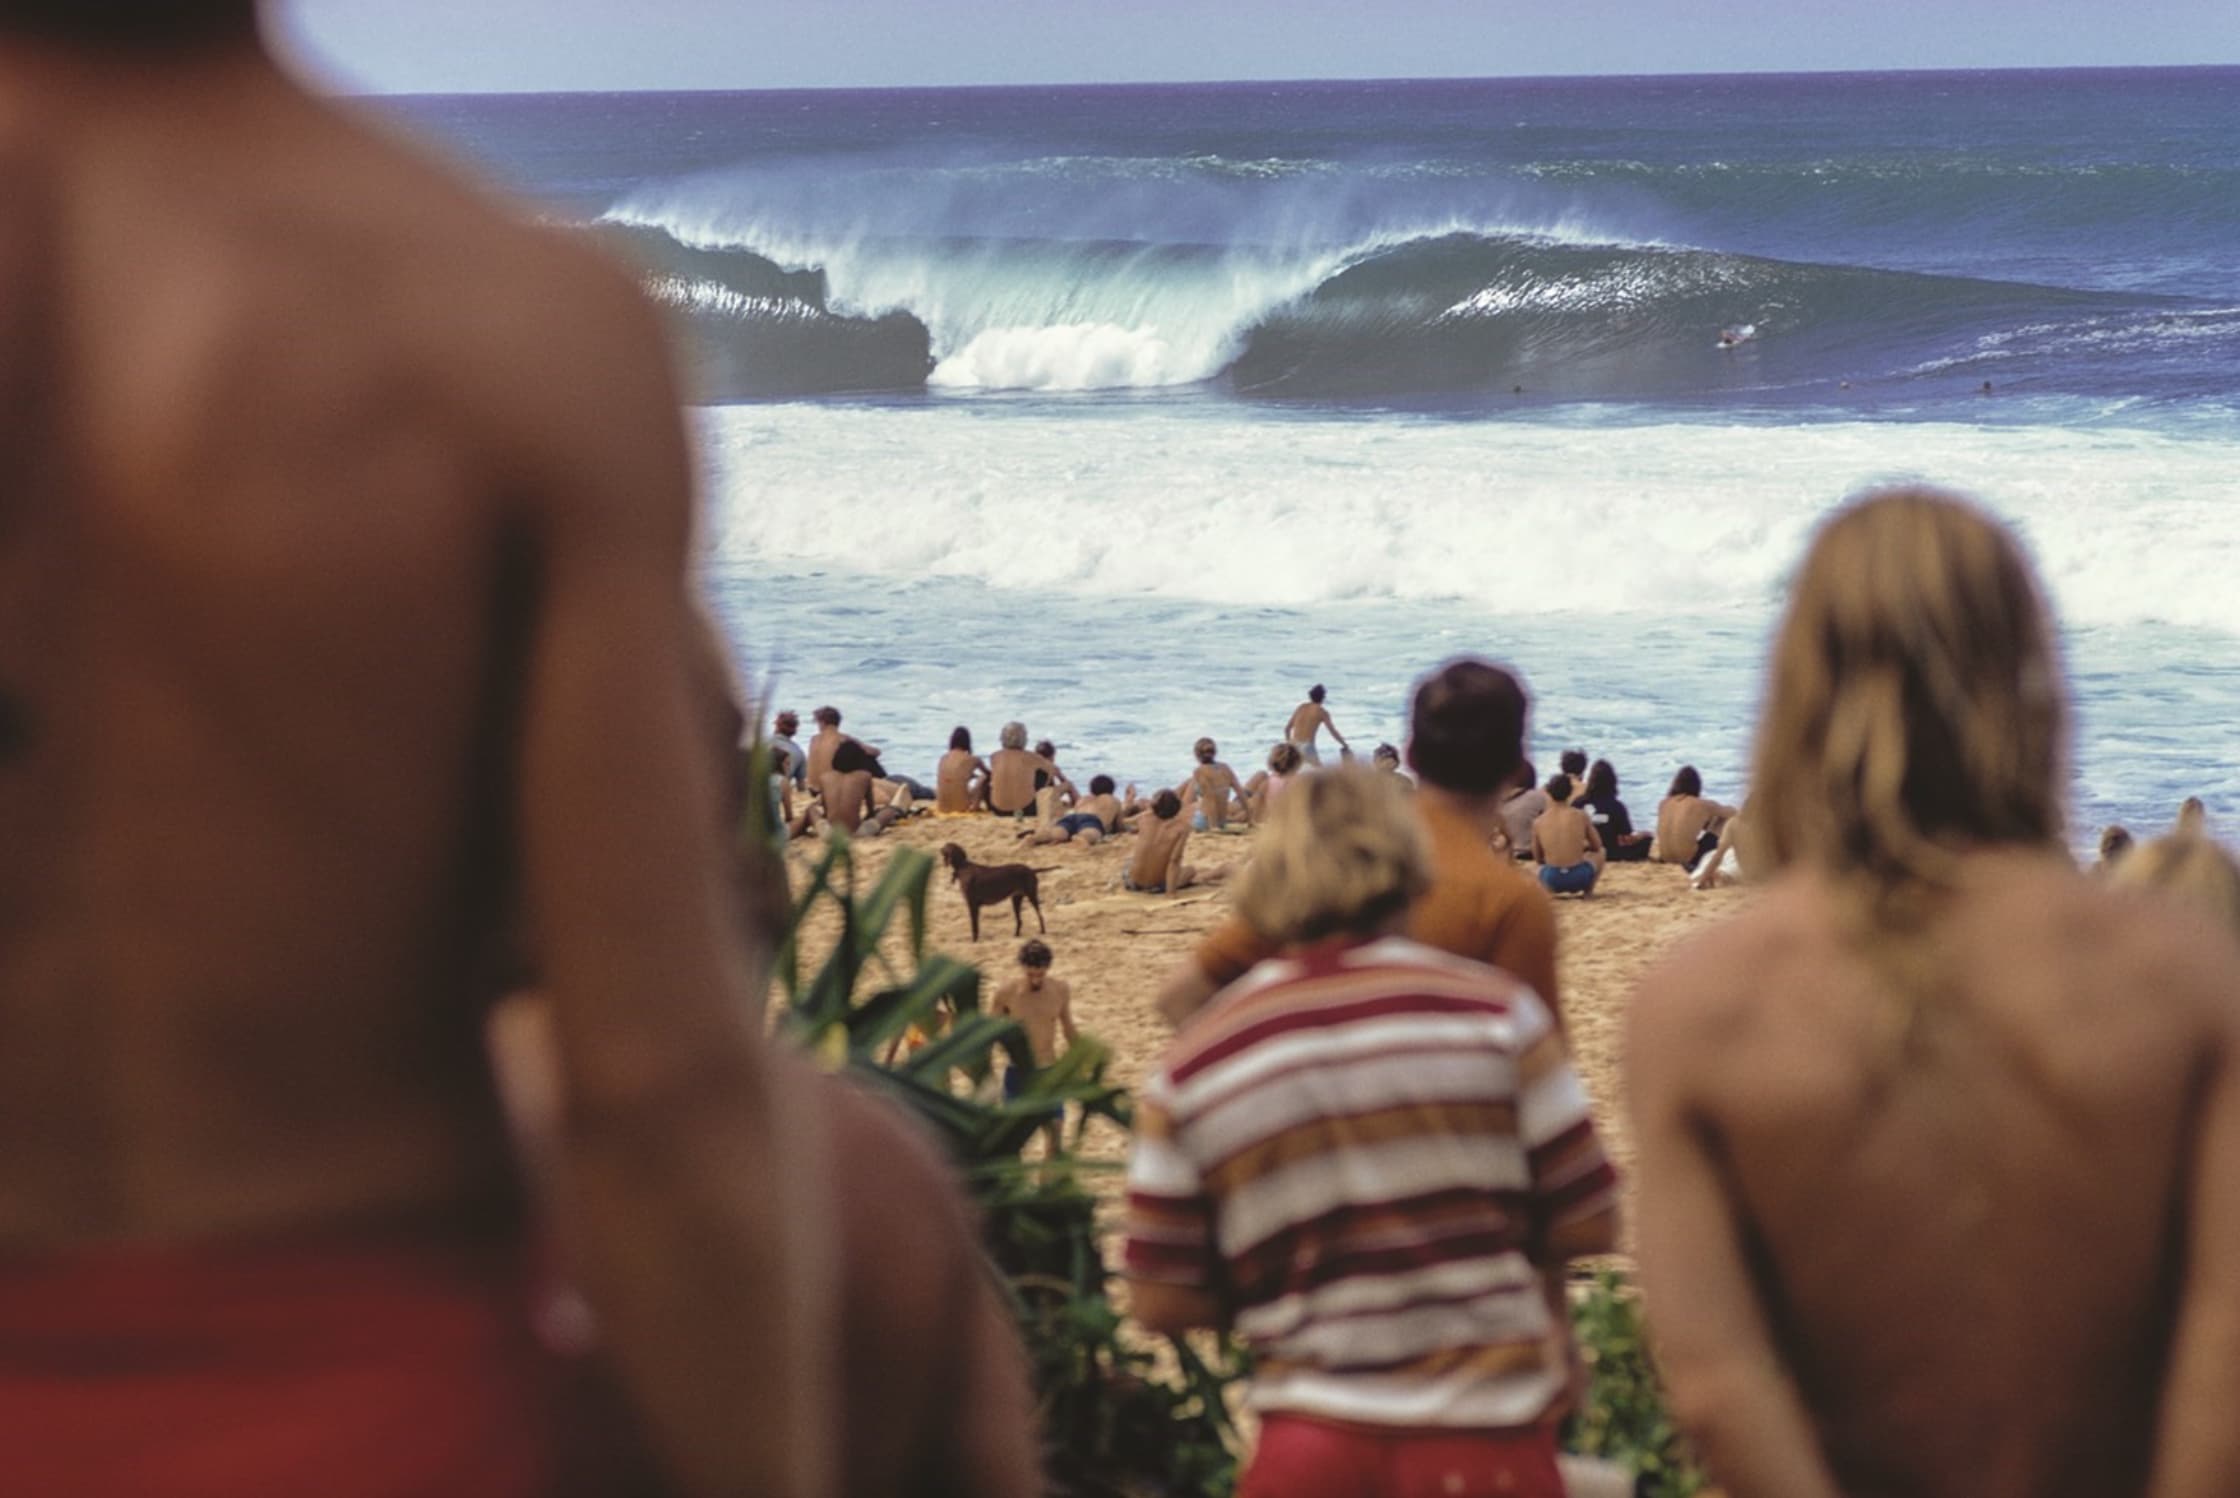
column 1443, row 310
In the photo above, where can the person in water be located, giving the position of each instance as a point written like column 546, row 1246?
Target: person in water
column 1307, row 721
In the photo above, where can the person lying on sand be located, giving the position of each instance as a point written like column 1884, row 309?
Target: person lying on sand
column 1013, row 771
column 1307, row 721
column 1565, row 844
column 1156, row 868
column 961, row 779
column 1688, row 825
column 1096, row 819
column 1043, row 1006
column 1216, row 789
column 1938, row 1141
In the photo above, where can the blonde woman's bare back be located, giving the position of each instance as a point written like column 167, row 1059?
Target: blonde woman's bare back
column 1968, row 1236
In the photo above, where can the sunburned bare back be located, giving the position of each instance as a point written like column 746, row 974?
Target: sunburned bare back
column 341, row 595
column 1967, row 1243
column 1215, row 786
column 1011, row 775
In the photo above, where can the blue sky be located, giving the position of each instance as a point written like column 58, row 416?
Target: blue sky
column 440, row 46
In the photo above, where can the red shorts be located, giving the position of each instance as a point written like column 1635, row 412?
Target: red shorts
column 366, row 1367
column 1304, row 1458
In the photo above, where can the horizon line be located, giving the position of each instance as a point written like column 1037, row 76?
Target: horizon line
column 1213, row 83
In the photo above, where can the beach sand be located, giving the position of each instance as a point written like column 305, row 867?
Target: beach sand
column 1115, row 948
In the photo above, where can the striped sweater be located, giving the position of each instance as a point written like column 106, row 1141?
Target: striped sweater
column 1364, row 1151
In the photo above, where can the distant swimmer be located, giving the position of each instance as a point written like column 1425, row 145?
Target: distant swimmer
column 1731, row 337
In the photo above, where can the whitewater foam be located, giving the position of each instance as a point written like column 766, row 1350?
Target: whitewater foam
column 1501, row 518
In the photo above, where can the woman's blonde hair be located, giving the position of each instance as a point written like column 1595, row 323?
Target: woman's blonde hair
column 1341, row 852
column 2190, row 866
column 1914, row 706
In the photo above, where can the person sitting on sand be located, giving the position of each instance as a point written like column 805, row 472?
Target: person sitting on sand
column 1161, row 839
column 1572, row 765
column 1466, row 745
column 1095, row 819
column 1366, row 1158
column 826, row 742
column 787, row 756
column 1687, row 824
column 1216, row 789
column 1053, row 793
column 1043, row 1006
column 1386, row 761
column 1739, row 850
column 2115, row 846
column 1260, row 792
column 1308, row 720
column 1012, row 772
column 2192, row 867
column 1565, row 844
column 961, row 779
column 1520, row 808
column 1938, row 1140
column 1620, row 843
column 855, row 800
column 2193, row 817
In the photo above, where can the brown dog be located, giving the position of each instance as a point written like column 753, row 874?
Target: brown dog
column 992, row 884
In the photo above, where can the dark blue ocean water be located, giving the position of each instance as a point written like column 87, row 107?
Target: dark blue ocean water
column 1131, row 410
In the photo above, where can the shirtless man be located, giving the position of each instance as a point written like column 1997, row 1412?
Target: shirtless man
column 343, row 536
column 1308, row 720
column 1161, row 839
column 1096, row 819
column 1215, row 788
column 1011, row 773
column 826, row 742
column 855, row 801
column 960, row 781
column 1939, row 1140
column 1688, row 825
column 1566, row 844
column 1043, row 1006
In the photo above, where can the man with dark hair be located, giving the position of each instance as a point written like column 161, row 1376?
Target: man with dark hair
column 344, row 530
column 1094, row 820
column 1161, row 839
column 1307, row 721
column 1043, row 1006
column 1565, row 844
column 1465, row 745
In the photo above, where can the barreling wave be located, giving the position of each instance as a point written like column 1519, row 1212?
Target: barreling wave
column 1423, row 312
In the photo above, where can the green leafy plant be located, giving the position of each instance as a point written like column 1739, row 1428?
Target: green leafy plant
column 1116, row 1421
column 1623, row 1418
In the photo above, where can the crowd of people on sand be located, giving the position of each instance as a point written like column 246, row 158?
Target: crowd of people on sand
column 341, row 1029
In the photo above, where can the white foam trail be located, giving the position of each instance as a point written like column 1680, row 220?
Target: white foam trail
column 1510, row 517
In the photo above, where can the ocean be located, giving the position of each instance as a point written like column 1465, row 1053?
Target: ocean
column 1131, row 412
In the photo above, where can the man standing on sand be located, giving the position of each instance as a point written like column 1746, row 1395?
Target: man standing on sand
column 1939, row 1141
column 1308, row 720
column 1565, row 844
column 1043, row 1006
column 1466, row 746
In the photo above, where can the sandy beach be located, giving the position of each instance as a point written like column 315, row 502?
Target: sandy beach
column 1115, row 947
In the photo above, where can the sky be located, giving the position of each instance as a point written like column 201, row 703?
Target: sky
column 446, row 46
